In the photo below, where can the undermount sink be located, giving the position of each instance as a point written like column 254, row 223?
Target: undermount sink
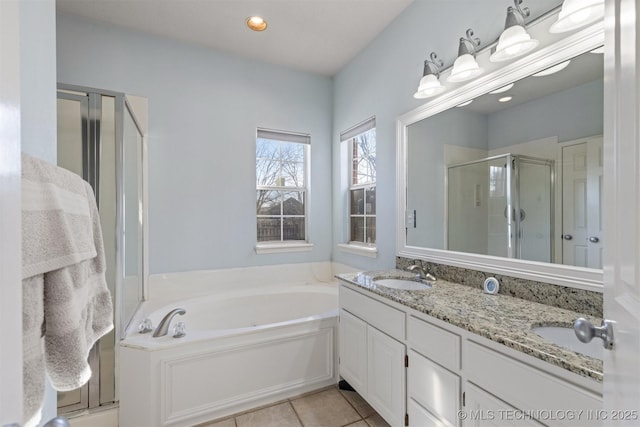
column 404, row 284
column 566, row 337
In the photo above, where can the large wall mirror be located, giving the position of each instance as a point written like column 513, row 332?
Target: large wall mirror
column 505, row 173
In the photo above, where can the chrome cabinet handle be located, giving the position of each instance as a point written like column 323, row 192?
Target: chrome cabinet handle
column 585, row 331
column 594, row 239
column 567, row 236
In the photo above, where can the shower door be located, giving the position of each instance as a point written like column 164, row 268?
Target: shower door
column 502, row 206
column 99, row 139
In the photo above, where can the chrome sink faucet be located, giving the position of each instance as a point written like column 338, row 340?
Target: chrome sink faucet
column 163, row 326
column 421, row 273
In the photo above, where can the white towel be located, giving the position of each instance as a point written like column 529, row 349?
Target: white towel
column 65, row 294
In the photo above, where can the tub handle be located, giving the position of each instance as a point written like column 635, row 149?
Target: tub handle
column 145, row 326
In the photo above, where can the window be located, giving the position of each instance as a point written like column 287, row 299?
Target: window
column 362, row 182
column 281, row 186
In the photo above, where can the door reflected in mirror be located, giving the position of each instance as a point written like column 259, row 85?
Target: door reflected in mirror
column 516, row 173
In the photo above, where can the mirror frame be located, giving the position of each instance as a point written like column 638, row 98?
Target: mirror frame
column 554, row 49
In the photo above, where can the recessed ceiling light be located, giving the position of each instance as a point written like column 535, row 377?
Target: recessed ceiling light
column 502, row 89
column 464, row 104
column 551, row 70
column 598, row 50
column 256, row 23
column 505, row 99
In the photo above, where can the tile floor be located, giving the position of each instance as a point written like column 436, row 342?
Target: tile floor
column 329, row 407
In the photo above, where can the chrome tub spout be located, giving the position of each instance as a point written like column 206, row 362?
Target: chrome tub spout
column 163, row 326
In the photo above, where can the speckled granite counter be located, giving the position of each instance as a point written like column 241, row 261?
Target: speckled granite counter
column 500, row 318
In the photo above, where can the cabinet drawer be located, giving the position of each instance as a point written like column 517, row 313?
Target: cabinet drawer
column 506, row 379
column 420, row 417
column 437, row 344
column 382, row 316
column 434, row 388
column 483, row 409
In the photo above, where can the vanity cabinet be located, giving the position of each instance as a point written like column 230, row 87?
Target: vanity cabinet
column 550, row 396
column 372, row 354
column 453, row 377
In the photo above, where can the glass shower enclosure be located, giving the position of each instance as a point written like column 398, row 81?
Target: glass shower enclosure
column 100, row 139
column 502, row 206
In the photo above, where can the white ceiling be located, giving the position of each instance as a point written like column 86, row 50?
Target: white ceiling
column 318, row 36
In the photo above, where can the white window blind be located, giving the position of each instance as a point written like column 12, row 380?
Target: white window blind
column 362, row 127
column 301, row 138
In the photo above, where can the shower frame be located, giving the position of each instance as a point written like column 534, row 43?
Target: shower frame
column 514, row 245
column 91, row 114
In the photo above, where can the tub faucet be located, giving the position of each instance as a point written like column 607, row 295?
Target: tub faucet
column 421, row 273
column 163, row 326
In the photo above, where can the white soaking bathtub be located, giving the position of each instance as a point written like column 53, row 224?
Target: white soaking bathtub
column 242, row 349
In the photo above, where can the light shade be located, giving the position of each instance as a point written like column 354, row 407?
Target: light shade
column 429, row 86
column 464, row 68
column 576, row 14
column 553, row 69
column 513, row 42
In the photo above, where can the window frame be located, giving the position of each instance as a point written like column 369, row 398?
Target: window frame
column 274, row 246
column 350, row 137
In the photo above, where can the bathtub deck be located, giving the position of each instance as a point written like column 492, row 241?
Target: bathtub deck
column 328, row 407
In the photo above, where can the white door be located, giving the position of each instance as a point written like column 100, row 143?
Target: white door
column 581, row 204
column 10, row 243
column 622, row 210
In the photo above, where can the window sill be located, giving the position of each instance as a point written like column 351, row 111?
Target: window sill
column 369, row 251
column 274, row 248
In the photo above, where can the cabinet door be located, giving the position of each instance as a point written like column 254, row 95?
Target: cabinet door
column 386, row 376
column 484, row 409
column 353, row 351
column 435, row 388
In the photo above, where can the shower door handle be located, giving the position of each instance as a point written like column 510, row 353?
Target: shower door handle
column 594, row 239
column 567, row 236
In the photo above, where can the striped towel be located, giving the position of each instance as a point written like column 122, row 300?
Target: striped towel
column 65, row 294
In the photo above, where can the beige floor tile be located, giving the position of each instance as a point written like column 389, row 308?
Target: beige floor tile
column 361, row 405
column 281, row 415
column 360, row 423
column 225, row 423
column 376, row 421
column 325, row 409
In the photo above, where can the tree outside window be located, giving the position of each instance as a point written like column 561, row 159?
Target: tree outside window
column 280, row 187
column 362, row 190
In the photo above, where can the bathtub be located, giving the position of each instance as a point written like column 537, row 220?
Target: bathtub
column 243, row 348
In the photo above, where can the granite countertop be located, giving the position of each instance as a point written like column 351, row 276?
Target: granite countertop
column 500, row 318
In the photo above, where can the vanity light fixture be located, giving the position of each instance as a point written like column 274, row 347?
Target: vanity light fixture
column 505, row 99
column 576, row 14
column 256, row 23
column 502, row 89
column 465, row 66
column 553, row 69
column 515, row 40
column 429, row 83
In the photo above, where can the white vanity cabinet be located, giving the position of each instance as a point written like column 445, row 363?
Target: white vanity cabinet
column 550, row 395
column 452, row 377
column 372, row 353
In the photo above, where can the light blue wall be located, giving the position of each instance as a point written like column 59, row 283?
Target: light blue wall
column 204, row 107
column 381, row 81
column 426, row 168
column 571, row 114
